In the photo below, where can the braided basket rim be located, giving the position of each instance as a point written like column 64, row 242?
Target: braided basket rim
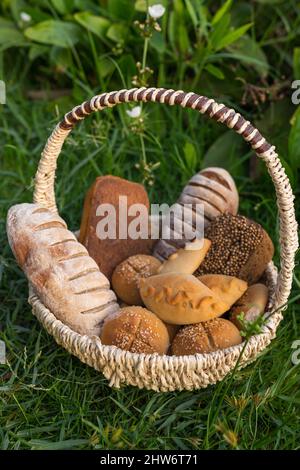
column 166, row 373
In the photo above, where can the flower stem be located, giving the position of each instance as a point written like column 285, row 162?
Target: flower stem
column 145, row 51
column 144, row 63
column 144, row 158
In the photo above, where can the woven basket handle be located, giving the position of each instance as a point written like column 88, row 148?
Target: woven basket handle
column 45, row 176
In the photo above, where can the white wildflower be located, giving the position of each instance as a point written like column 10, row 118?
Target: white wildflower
column 134, row 112
column 156, row 11
column 25, row 17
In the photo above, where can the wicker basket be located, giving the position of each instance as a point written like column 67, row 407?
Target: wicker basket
column 167, row 373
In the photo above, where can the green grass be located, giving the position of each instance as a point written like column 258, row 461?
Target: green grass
column 48, row 399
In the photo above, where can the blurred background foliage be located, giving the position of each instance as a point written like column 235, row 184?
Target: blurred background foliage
column 244, row 53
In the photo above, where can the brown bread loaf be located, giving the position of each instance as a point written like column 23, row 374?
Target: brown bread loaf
column 65, row 278
column 239, row 247
column 108, row 253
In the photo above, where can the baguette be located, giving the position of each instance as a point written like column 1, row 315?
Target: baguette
column 63, row 275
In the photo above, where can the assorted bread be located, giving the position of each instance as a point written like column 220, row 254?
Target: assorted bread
column 172, row 293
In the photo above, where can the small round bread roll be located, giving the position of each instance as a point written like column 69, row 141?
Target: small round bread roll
column 205, row 337
column 137, row 330
column 126, row 277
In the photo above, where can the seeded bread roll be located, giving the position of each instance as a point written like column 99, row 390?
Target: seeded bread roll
column 137, row 330
column 252, row 304
column 205, row 337
column 65, row 278
column 126, row 277
column 181, row 299
column 188, row 259
column 240, row 248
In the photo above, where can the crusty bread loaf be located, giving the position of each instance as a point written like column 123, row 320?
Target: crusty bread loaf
column 206, row 337
column 65, row 278
column 215, row 188
column 180, row 299
column 137, row 330
column 109, row 252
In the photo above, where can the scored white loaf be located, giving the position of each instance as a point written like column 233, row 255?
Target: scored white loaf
column 212, row 190
column 63, row 275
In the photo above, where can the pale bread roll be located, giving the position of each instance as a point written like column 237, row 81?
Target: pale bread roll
column 180, row 299
column 252, row 304
column 188, row 259
column 63, row 275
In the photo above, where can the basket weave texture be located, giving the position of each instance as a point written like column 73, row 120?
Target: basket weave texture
column 167, row 373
